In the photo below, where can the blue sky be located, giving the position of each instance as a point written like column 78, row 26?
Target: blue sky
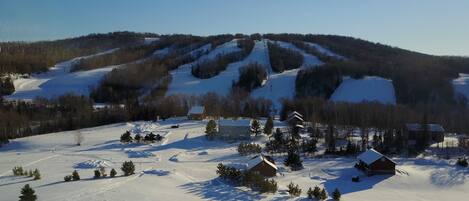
column 429, row 26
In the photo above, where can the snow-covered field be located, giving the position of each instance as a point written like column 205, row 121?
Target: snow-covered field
column 59, row 81
column 370, row 88
column 461, row 85
column 183, row 168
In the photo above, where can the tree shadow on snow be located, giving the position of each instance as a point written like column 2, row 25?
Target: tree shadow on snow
column 449, row 177
column 217, row 190
column 343, row 180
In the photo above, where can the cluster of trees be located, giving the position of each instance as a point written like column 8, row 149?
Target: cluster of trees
column 317, row 193
column 27, row 58
column 73, row 177
column 18, row 171
column 282, row 59
column 245, row 148
column 320, row 81
column 6, row 86
column 253, row 180
column 208, row 68
column 251, row 76
column 149, row 138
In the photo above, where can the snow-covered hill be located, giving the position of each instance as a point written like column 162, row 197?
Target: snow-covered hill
column 370, row 88
column 183, row 167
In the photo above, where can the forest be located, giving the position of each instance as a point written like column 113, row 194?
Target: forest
column 282, row 59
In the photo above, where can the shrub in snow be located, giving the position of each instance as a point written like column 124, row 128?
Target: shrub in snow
column 128, row 168
column 323, row 194
column 79, row 138
column 248, row 148
column 27, row 194
column 37, row 174
column 126, row 137
column 462, row 162
column 336, row 194
column 138, row 138
column 30, row 173
column 68, row 178
column 97, row 174
column 314, row 193
column 17, row 171
column 211, row 129
column 113, row 173
column 293, row 190
column 75, row 176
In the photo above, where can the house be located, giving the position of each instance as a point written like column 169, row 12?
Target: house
column 230, row 129
column 414, row 131
column 196, row 113
column 295, row 118
column 264, row 165
column 373, row 162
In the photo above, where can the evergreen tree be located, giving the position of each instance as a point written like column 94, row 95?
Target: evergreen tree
column 278, row 135
column 113, row 172
column 211, row 129
column 67, row 178
column 336, row 194
column 30, row 173
column 323, row 194
column 37, row 174
column 256, row 127
column 128, row 168
column 294, row 161
column 293, row 190
column 75, row 176
column 138, row 138
column 126, row 137
column 97, row 174
column 27, row 194
column 269, row 125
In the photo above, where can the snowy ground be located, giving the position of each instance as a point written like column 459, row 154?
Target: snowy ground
column 370, row 88
column 59, row 80
column 183, row 168
column 461, row 85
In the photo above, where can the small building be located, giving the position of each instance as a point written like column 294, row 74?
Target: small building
column 230, row 129
column 295, row 118
column 196, row 113
column 415, row 131
column 372, row 162
column 264, row 165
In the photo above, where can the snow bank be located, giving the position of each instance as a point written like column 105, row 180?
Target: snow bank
column 370, row 88
column 144, row 128
column 89, row 164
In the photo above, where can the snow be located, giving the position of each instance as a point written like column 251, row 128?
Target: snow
column 59, row 81
column 92, row 164
column 308, row 59
column 193, row 176
column 183, row 82
column 324, row 51
column 461, row 85
column 370, row 88
column 258, row 159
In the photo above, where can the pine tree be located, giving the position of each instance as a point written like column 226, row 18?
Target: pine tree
column 256, row 127
column 138, row 138
column 211, row 129
column 323, row 194
column 126, row 137
column 278, row 135
column 317, row 192
column 27, row 194
column 128, row 168
column 336, row 194
column 37, row 174
column 310, row 193
column 293, row 190
column 269, row 125
column 75, row 176
column 113, row 173
column 97, row 174
column 30, row 173
column 67, row 178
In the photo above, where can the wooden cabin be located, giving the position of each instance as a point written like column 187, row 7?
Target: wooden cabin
column 372, row 162
column 415, row 131
column 196, row 113
column 263, row 165
column 230, row 129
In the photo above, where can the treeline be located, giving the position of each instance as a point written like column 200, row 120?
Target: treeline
column 27, row 58
column 282, row 59
column 317, row 81
column 417, row 78
column 211, row 67
column 251, row 76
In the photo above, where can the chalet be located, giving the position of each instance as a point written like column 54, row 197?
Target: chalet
column 229, row 129
column 264, row 165
column 196, row 113
column 295, row 118
column 415, row 131
column 373, row 162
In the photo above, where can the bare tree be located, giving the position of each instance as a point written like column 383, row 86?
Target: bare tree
column 79, row 138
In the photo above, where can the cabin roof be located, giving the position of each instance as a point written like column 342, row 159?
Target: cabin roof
column 258, row 159
column 431, row 127
column 196, row 110
column 370, row 156
column 232, row 122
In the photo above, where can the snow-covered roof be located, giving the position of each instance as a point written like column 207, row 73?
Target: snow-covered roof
column 295, row 117
column 431, row 127
column 258, row 159
column 196, row 110
column 295, row 113
column 370, row 156
column 232, row 122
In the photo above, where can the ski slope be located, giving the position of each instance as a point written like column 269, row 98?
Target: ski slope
column 183, row 82
column 282, row 85
column 58, row 80
column 370, row 88
column 461, row 85
column 183, row 167
column 324, row 51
